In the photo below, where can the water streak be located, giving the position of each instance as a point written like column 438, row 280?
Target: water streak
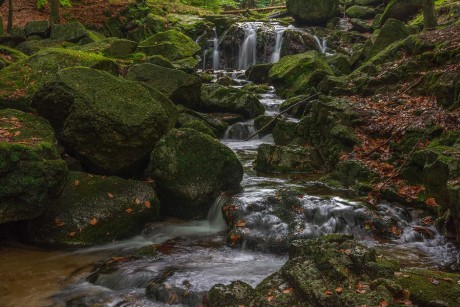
column 278, row 44
column 321, row 43
column 248, row 51
column 216, row 52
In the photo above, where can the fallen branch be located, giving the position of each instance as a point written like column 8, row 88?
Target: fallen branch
column 278, row 115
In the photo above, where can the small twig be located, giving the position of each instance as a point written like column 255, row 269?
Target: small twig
column 278, row 115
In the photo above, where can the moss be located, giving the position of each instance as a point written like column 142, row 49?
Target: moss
column 199, row 126
column 9, row 55
column 171, row 44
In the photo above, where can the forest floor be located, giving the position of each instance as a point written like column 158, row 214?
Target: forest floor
column 90, row 12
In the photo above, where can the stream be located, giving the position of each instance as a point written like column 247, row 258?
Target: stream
column 194, row 253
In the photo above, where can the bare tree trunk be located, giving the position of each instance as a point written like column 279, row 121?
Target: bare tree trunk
column 54, row 12
column 9, row 26
column 429, row 17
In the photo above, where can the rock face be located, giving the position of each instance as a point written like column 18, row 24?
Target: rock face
column 295, row 74
column 71, row 32
column 95, row 210
column 218, row 98
column 109, row 124
column 191, row 169
column 312, row 12
column 39, row 28
column 331, row 271
column 177, row 85
column 31, row 170
column 16, row 86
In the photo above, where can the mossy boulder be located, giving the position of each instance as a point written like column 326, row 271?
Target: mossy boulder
column 191, row 169
column 171, row 44
column 312, row 12
column 237, row 293
column 200, row 126
column 19, row 81
column 9, row 55
column 93, row 210
column 392, row 31
column 32, row 46
column 361, row 12
column 284, row 132
column 37, row 27
column 402, row 10
column 108, row 123
column 351, row 174
column 177, row 85
column 160, row 61
column 70, row 32
column 219, row 98
column 295, row 74
column 258, row 73
column 295, row 111
column 286, row 159
column 31, row 169
column 111, row 47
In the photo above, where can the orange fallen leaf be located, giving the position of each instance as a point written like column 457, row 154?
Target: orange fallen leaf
column 93, row 221
column 288, row 290
column 271, row 298
column 137, row 201
column 328, row 292
column 360, row 291
column 59, row 222
column 129, row 210
column 431, row 202
column 73, row 233
column 147, row 204
column 383, row 304
column 76, row 182
column 339, row 290
column 110, row 195
column 240, row 223
column 17, row 133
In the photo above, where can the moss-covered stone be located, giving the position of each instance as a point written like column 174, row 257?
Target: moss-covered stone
column 392, row 31
column 31, row 170
column 237, row 293
column 401, row 10
column 200, row 126
column 108, row 123
column 295, row 74
column 352, row 174
column 9, row 55
column 160, row 61
column 111, row 47
column 70, row 32
column 191, row 169
column 361, row 12
column 171, row 44
column 265, row 122
column 218, row 98
column 312, row 12
column 284, row 132
column 258, row 73
column 94, row 210
column 177, row 85
column 37, row 27
column 19, row 81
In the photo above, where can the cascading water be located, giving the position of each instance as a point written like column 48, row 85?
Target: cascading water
column 278, row 44
column 215, row 53
column 205, row 54
column 248, row 51
column 321, row 43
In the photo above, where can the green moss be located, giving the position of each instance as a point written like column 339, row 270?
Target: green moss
column 199, row 126
column 9, row 55
column 171, row 44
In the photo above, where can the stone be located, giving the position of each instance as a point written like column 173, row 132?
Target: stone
column 190, row 170
column 284, row 132
column 108, row 123
column 237, row 293
column 160, row 61
column 70, row 32
column 392, row 31
column 177, row 85
column 258, row 73
column 218, row 98
column 32, row 171
column 312, row 12
column 402, row 10
column 9, row 55
column 361, row 12
column 94, row 210
column 171, row 44
column 39, row 27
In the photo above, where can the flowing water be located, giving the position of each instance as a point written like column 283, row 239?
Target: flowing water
column 194, row 253
column 215, row 52
column 278, row 44
column 248, row 51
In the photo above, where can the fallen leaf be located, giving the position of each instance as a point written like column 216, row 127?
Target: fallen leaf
column 59, row 222
column 137, row 201
column 434, row 281
column 383, row 304
column 129, row 210
column 271, row 298
column 93, row 221
column 76, row 182
column 17, row 133
column 147, row 204
column 447, row 279
column 328, row 292
column 71, row 234
column 360, row 291
column 288, row 290
column 110, row 195
column 431, row 202
column 339, row 290
column 240, row 223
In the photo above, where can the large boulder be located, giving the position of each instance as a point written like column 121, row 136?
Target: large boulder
column 95, row 210
column 219, row 98
column 361, row 12
column 70, row 32
column 9, row 55
column 177, row 85
column 392, row 31
column 171, row 44
column 295, row 74
column 401, row 9
column 19, row 81
column 112, row 46
column 108, row 123
column 31, row 170
column 191, row 169
column 258, row 73
column 37, row 27
column 312, row 12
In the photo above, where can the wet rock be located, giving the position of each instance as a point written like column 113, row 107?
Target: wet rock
column 235, row 294
column 295, row 42
column 352, row 174
column 284, row 132
column 108, row 123
column 31, row 169
column 42, row 67
column 94, row 210
column 312, row 12
column 286, row 159
column 262, row 121
column 172, row 295
column 177, row 85
column 295, row 74
column 226, row 81
column 191, row 169
column 200, row 126
column 39, row 28
column 218, row 98
column 361, row 12
column 160, row 61
column 258, row 73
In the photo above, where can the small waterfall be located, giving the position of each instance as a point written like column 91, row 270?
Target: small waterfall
column 205, row 54
column 248, row 51
column 215, row 53
column 278, row 43
column 240, row 131
column 215, row 217
column 322, row 44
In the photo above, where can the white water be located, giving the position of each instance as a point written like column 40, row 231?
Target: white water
column 248, row 51
column 278, row 44
column 321, row 43
column 215, row 52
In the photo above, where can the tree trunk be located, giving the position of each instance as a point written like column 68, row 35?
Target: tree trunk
column 429, row 17
column 9, row 25
column 54, row 12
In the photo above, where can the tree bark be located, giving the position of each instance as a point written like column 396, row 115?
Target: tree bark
column 429, row 16
column 54, row 12
column 9, row 25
